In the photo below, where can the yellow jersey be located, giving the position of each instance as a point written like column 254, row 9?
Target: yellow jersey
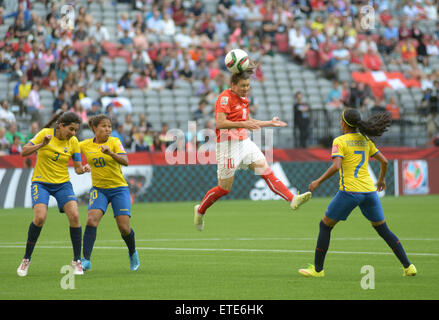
column 355, row 150
column 53, row 159
column 106, row 173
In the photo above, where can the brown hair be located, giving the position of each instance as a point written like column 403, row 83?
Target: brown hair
column 244, row 75
column 95, row 120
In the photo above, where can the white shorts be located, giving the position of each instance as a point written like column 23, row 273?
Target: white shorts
column 236, row 154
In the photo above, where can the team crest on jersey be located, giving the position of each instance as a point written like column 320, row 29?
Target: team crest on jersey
column 66, row 149
column 224, row 101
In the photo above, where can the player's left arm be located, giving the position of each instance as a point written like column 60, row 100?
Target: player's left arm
column 77, row 160
column 381, row 183
column 275, row 122
column 120, row 158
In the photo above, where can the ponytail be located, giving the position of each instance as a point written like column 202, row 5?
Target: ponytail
column 54, row 119
column 374, row 126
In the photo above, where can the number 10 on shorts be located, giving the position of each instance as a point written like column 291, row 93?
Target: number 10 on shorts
column 230, row 163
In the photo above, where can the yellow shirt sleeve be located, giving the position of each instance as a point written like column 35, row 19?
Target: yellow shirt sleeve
column 372, row 149
column 118, row 147
column 39, row 137
column 337, row 148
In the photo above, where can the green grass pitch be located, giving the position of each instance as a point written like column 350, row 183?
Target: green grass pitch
column 248, row 250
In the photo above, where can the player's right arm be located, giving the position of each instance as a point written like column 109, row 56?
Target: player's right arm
column 39, row 141
column 223, row 123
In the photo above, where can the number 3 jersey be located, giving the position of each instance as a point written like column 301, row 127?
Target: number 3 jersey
column 355, row 150
column 106, row 173
column 237, row 109
column 53, row 158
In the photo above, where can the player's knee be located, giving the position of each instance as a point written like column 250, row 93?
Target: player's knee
column 124, row 229
column 92, row 222
column 39, row 221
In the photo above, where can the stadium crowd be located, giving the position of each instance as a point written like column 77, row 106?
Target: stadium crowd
column 37, row 53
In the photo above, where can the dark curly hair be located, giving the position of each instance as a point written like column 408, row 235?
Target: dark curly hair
column 64, row 118
column 374, row 126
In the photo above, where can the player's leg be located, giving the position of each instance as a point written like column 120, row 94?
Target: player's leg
column 72, row 213
column 373, row 211
column 94, row 217
column 258, row 164
column 97, row 206
column 40, row 200
column 339, row 209
column 121, row 203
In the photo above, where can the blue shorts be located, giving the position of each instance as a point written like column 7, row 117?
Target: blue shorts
column 119, row 198
column 63, row 193
column 344, row 202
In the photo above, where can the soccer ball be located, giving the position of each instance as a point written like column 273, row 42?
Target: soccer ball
column 236, row 60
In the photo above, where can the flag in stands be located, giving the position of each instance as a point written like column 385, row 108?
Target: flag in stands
column 378, row 80
column 119, row 103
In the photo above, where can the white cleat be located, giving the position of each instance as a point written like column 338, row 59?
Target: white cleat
column 77, row 268
column 23, row 268
column 300, row 199
column 198, row 219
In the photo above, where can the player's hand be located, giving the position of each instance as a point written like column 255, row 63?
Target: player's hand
column 313, row 185
column 46, row 139
column 105, row 149
column 276, row 122
column 252, row 124
column 381, row 185
column 86, row 168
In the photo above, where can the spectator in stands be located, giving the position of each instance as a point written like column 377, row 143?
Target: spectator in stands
column 403, row 30
column 59, row 100
column 99, row 33
column 33, row 102
column 35, row 128
column 79, row 110
column 118, row 133
column 164, row 137
column 51, row 82
column 109, row 111
column 168, row 25
column 95, row 109
column 13, row 131
column 411, row 11
column 16, row 146
column 124, row 24
column 108, row 88
column 126, row 81
column 125, row 41
column 4, row 143
column 21, row 92
column 334, row 99
column 430, row 10
column 371, row 61
column 341, row 54
column 143, row 124
column 139, row 22
column 139, row 144
column 297, row 43
column 200, row 114
column 81, row 33
column 393, row 109
column 186, row 73
column 179, row 13
column 83, row 17
column 302, row 121
column 6, row 116
column 326, row 59
column 154, row 24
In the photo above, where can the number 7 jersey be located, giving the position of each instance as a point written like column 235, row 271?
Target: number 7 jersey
column 106, row 173
column 355, row 151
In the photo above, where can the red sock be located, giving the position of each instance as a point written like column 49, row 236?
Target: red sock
column 277, row 186
column 211, row 196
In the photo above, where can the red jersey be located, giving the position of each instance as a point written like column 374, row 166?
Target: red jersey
column 237, row 109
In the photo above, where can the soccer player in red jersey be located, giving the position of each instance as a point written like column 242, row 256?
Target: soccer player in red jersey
column 234, row 149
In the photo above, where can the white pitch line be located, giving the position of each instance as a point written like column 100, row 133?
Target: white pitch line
column 232, row 250
column 233, row 239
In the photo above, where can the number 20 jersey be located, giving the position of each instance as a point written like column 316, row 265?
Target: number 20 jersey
column 106, row 173
column 237, row 109
column 355, row 151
